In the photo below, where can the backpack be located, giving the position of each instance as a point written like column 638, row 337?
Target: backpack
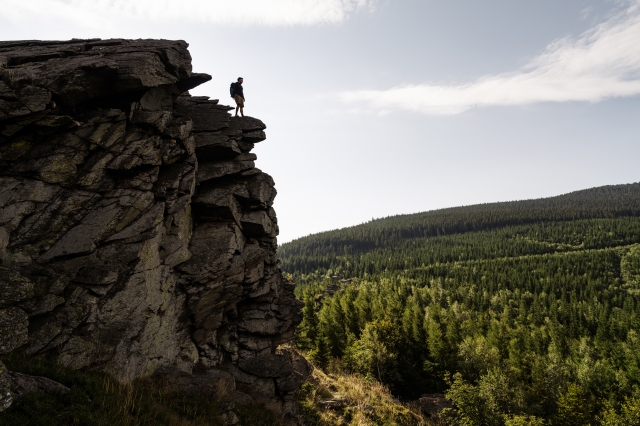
column 232, row 89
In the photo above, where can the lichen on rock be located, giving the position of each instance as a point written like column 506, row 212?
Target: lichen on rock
column 136, row 235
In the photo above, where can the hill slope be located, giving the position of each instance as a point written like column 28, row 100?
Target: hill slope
column 527, row 309
column 334, row 249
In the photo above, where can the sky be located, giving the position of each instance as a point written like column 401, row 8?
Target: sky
column 380, row 107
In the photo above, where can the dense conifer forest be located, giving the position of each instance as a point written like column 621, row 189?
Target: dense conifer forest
column 522, row 313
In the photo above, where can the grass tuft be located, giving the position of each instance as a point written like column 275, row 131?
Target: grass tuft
column 97, row 399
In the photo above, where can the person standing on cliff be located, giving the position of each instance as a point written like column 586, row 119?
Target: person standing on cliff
column 238, row 96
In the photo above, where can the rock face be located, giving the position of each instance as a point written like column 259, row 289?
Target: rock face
column 136, row 234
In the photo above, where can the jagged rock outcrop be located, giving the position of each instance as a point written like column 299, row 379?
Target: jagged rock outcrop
column 136, row 234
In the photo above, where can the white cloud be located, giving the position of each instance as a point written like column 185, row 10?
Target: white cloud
column 602, row 63
column 110, row 13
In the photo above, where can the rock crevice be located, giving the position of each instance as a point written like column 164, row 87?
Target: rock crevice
column 136, row 234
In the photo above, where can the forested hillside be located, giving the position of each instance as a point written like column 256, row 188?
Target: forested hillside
column 523, row 312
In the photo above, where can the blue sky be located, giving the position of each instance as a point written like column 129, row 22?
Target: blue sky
column 377, row 108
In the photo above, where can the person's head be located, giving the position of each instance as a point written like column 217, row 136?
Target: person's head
column 240, row 80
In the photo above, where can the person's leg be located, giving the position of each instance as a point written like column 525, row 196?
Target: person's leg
column 237, row 107
column 242, row 111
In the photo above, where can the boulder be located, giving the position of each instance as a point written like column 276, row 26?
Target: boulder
column 22, row 384
column 432, row 404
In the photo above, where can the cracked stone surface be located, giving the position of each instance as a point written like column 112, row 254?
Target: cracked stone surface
column 136, row 235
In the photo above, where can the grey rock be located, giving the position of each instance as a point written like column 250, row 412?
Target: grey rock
column 302, row 369
column 137, row 237
column 6, row 398
column 257, row 224
column 148, row 221
column 245, row 146
column 334, row 403
column 254, row 343
column 231, row 418
column 201, row 383
column 138, row 153
column 213, row 245
column 254, row 263
column 216, row 146
column 114, row 212
column 217, row 203
column 175, row 243
column 14, row 287
column 218, row 169
column 254, row 136
column 255, row 191
column 246, row 124
column 207, row 115
column 81, row 70
column 261, row 191
column 40, row 306
column 14, row 324
column 176, row 184
column 22, row 384
column 260, row 387
column 157, row 99
column 158, row 119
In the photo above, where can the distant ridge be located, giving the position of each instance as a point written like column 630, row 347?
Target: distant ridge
column 608, row 201
column 322, row 250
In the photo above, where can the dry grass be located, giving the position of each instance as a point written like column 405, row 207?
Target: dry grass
column 96, row 399
column 362, row 402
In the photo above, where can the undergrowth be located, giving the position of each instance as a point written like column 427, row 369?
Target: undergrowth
column 96, row 399
column 362, row 402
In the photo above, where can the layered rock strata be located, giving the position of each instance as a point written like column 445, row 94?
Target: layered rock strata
column 136, row 233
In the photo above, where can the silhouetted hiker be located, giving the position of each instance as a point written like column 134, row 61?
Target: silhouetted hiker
column 237, row 94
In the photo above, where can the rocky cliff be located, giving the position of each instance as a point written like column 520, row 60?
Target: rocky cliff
column 136, row 234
